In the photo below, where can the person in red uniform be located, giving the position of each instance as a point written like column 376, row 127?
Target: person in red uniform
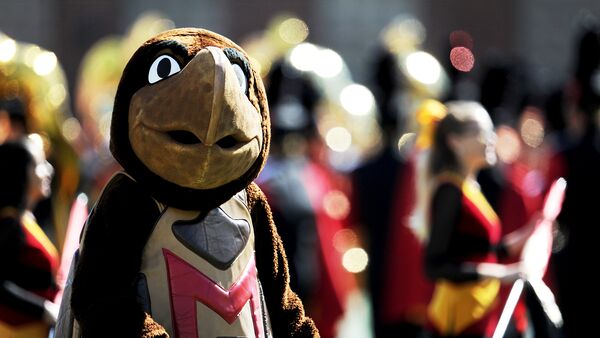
column 28, row 259
column 407, row 290
column 464, row 241
column 309, row 200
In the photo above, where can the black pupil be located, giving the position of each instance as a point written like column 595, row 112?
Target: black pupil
column 164, row 68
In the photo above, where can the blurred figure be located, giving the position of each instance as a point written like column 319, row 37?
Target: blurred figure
column 521, row 195
column 34, row 77
column 404, row 76
column 578, row 222
column 375, row 183
column 289, row 96
column 525, row 157
column 308, row 199
column 579, row 163
column 506, row 89
column 407, row 291
column 464, row 240
column 323, row 126
column 12, row 119
column 515, row 188
column 29, row 259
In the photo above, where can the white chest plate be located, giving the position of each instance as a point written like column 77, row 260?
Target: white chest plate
column 199, row 275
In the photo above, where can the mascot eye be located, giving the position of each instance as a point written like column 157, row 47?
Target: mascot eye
column 241, row 76
column 163, row 67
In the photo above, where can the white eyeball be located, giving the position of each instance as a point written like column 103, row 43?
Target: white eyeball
column 241, row 77
column 163, row 67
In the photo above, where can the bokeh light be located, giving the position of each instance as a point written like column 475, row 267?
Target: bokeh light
column 8, row 49
column 57, row 94
column 71, row 129
column 338, row 139
column 336, row 205
column 293, row 31
column 344, row 239
column 404, row 33
column 357, row 99
column 405, row 142
column 462, row 59
column 304, row 56
column 346, row 161
column 37, row 140
column 508, row 145
column 533, row 183
column 44, row 63
column 423, row 67
column 532, row 132
column 355, row 260
column 329, row 63
column 30, row 54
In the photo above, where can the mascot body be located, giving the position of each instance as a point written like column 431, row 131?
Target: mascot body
column 182, row 243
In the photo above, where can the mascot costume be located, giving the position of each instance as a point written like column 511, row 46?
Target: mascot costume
column 182, row 242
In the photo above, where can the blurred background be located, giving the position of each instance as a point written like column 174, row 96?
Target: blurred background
column 538, row 32
column 351, row 85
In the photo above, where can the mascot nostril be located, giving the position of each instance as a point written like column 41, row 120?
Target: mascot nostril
column 184, row 137
column 182, row 242
column 227, row 142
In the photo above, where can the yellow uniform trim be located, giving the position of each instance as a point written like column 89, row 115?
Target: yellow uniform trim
column 456, row 306
column 34, row 229
column 473, row 193
column 37, row 329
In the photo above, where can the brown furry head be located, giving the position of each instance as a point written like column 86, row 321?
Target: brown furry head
column 191, row 121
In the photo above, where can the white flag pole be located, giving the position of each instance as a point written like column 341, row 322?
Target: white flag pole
column 509, row 308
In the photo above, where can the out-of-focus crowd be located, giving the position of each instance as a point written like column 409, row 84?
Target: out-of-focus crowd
column 394, row 200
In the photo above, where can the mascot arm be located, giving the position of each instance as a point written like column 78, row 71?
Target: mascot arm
column 104, row 296
column 285, row 307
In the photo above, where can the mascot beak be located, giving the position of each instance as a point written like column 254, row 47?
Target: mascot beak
column 208, row 131
column 214, row 108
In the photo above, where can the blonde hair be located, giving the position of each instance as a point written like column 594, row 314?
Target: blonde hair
column 460, row 115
